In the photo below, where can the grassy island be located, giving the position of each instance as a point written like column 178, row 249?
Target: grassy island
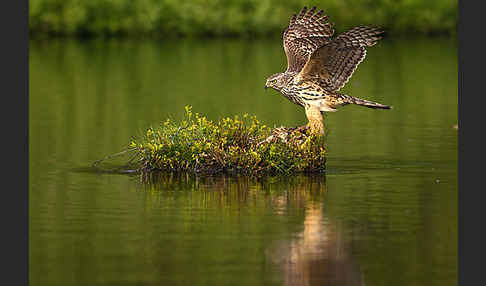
column 231, row 145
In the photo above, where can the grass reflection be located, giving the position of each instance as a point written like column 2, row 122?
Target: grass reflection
column 317, row 252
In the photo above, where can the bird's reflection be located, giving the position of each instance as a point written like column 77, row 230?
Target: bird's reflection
column 319, row 253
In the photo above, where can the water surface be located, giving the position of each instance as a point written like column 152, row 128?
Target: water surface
column 385, row 212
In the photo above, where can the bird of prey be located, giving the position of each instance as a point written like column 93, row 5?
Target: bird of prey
column 318, row 65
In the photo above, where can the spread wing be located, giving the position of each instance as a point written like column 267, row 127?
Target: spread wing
column 306, row 33
column 333, row 64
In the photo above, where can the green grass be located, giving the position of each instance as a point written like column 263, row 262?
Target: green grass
column 236, row 17
column 230, row 145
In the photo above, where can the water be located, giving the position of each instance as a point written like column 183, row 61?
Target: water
column 385, row 213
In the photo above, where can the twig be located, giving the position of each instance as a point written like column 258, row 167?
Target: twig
column 114, row 155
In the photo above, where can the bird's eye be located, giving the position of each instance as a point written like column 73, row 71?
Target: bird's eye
column 274, row 81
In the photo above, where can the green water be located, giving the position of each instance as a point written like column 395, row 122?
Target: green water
column 385, row 212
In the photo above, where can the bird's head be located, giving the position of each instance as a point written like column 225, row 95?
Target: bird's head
column 276, row 81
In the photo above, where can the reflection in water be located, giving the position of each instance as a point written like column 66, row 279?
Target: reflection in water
column 319, row 255
column 281, row 195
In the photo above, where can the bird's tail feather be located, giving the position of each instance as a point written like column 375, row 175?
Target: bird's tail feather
column 367, row 103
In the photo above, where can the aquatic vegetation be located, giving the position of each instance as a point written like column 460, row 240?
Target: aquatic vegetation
column 231, row 145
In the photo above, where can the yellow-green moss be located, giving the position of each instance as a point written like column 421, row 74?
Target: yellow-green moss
column 240, row 144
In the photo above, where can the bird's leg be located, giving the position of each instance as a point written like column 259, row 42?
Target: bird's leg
column 314, row 116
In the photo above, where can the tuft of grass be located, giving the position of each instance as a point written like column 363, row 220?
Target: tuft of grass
column 231, row 145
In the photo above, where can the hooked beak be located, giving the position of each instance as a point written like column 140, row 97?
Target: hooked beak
column 265, row 87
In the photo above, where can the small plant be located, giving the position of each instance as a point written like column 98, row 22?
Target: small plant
column 230, row 145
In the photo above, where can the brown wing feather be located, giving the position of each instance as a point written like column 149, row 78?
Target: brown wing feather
column 306, row 32
column 333, row 64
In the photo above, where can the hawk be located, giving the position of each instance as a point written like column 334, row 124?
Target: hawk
column 318, row 65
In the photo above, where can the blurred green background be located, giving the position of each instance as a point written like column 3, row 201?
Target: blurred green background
column 231, row 18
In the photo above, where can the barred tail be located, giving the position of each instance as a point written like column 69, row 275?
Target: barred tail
column 367, row 103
